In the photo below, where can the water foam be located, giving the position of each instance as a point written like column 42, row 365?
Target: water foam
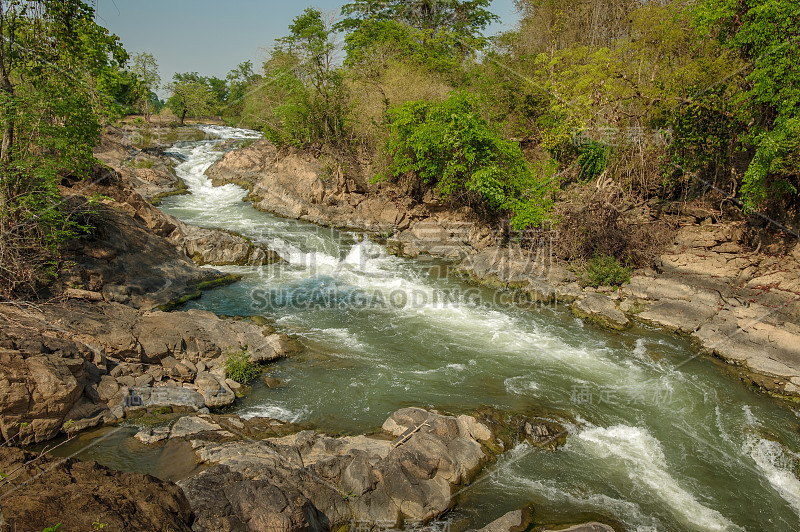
column 644, row 460
column 776, row 463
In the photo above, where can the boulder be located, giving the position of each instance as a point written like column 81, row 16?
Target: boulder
column 41, row 380
column 215, row 392
column 373, row 478
column 47, row 491
column 516, row 521
column 600, row 309
column 586, row 527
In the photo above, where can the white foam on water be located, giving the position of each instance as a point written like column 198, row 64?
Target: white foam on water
column 641, row 455
column 640, row 350
column 629, row 512
column 777, row 465
column 339, row 336
column 521, row 385
column 275, row 412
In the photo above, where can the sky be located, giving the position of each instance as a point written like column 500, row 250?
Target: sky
column 211, row 37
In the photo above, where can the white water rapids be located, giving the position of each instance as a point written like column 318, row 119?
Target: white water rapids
column 651, row 446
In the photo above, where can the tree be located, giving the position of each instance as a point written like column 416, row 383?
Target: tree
column 51, row 55
column 239, row 80
column 443, row 31
column 765, row 33
column 303, row 88
column 191, row 96
column 466, row 19
column 145, row 69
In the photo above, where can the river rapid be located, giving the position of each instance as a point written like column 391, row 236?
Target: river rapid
column 659, row 439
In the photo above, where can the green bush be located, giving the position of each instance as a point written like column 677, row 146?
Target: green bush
column 455, row 151
column 603, row 270
column 240, row 368
column 593, row 160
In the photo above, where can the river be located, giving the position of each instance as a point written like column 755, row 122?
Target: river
column 659, row 439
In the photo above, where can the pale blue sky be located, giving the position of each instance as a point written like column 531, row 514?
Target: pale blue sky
column 213, row 36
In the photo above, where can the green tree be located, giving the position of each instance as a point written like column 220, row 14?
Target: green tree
column 51, row 55
column 766, row 34
column 465, row 19
column 190, row 96
column 145, row 68
column 239, row 80
column 303, row 87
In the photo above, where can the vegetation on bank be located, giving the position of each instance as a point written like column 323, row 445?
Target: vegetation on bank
column 239, row 367
column 574, row 118
column 577, row 118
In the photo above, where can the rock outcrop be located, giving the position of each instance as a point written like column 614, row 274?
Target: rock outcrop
column 39, row 492
column 307, row 479
column 86, row 363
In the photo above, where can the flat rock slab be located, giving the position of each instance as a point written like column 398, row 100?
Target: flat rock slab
column 601, row 310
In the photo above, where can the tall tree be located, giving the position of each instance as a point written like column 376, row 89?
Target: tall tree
column 465, row 18
column 145, row 68
column 302, row 75
column 191, row 96
column 766, row 34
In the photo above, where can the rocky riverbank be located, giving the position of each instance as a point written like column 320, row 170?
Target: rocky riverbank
column 738, row 304
column 99, row 348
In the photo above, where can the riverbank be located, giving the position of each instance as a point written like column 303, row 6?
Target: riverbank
column 101, row 350
column 739, row 304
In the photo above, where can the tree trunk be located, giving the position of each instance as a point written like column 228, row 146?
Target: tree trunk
column 183, row 116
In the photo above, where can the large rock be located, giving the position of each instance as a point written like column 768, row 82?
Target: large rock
column 159, row 396
column 198, row 335
column 585, row 527
column 516, row 521
column 337, row 480
column 46, row 491
column 215, row 392
column 41, row 379
column 600, row 309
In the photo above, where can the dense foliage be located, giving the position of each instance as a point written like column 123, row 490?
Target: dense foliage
column 52, row 57
column 451, row 148
column 581, row 113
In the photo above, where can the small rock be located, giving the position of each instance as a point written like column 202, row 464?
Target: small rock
column 157, row 373
column 601, row 310
column 272, row 382
column 107, row 388
column 154, row 435
column 189, row 425
column 144, row 380
column 515, row 521
column 127, row 381
column 74, row 293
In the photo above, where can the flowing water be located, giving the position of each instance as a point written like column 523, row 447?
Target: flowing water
column 658, row 439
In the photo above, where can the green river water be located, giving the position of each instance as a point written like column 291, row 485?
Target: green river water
column 659, row 439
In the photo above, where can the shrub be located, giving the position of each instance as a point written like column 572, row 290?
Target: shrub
column 603, row 270
column 452, row 149
column 240, row 368
column 593, row 160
